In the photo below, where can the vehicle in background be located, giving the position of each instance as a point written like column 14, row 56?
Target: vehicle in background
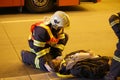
column 41, row 5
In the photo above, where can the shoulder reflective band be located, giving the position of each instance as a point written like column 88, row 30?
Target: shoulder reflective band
column 115, row 22
column 40, row 54
column 116, row 58
column 39, row 44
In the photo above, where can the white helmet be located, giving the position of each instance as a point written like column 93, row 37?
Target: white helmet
column 59, row 19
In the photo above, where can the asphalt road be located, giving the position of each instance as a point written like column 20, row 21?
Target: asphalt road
column 89, row 30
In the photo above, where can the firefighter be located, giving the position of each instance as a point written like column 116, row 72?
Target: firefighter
column 114, row 21
column 47, row 41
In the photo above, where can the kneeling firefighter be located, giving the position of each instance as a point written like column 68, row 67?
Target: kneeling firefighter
column 47, row 41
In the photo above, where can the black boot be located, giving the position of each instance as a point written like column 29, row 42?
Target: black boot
column 28, row 57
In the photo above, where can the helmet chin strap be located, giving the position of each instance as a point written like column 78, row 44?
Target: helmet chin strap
column 55, row 27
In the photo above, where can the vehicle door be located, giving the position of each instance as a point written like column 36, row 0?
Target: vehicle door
column 5, row 3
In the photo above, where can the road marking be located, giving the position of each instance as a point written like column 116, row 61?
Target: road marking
column 20, row 21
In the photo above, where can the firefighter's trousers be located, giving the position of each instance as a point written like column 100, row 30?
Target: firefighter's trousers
column 115, row 65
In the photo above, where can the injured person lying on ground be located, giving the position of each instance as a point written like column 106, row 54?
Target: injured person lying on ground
column 80, row 63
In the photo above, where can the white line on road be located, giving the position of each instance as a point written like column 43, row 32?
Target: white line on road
column 20, row 21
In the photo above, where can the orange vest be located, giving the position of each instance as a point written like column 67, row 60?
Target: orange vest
column 52, row 40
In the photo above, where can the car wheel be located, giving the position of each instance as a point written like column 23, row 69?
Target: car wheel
column 39, row 5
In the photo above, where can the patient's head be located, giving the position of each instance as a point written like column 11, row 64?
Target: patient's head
column 56, row 63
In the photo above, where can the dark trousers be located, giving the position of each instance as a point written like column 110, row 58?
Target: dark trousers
column 115, row 66
column 29, row 59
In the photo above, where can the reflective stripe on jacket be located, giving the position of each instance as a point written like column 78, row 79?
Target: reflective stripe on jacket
column 52, row 40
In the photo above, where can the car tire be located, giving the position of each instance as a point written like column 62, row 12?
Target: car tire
column 39, row 5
